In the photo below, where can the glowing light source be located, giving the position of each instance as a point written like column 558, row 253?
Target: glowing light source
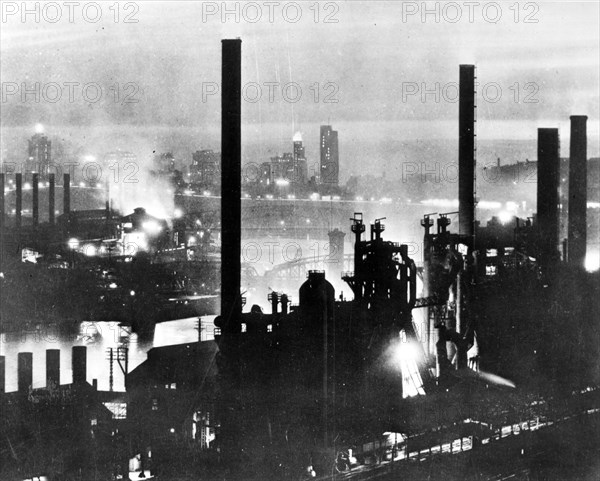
column 73, row 243
column 282, row 182
column 39, row 129
column 178, row 213
column 152, row 227
column 90, row 250
column 505, row 217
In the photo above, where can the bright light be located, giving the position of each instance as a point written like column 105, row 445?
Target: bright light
column 269, row 196
column 486, row 204
column 592, row 261
column 443, row 202
column 359, row 198
column 152, row 227
column 98, row 185
column 39, row 129
column 192, row 241
column 26, row 186
column 404, row 351
column 132, row 293
column 89, row 158
column 403, row 357
column 314, row 196
column 90, row 250
column 308, row 221
column 178, row 213
column 73, row 243
column 81, row 184
column 505, row 217
column 282, row 182
column 206, row 193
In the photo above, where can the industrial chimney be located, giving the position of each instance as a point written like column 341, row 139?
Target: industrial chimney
column 2, row 374
column 578, row 191
column 24, row 371
column 19, row 199
column 231, row 189
column 548, row 171
column 79, row 364
column 52, row 367
column 2, row 218
column 35, row 181
column 66, row 195
column 51, row 190
column 466, row 152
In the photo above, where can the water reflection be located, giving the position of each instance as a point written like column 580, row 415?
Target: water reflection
column 98, row 338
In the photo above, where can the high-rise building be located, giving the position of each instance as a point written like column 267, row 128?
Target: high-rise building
column 330, row 161
column 206, row 167
column 164, row 163
column 300, row 165
column 39, row 153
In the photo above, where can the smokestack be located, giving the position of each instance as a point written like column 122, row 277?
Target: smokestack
column 547, row 194
column 35, row 181
column 25, row 371
column 466, row 152
column 2, row 219
column 578, row 190
column 2, row 181
column 231, row 189
column 107, row 202
column 52, row 367
column 2, row 375
column 19, row 199
column 66, row 194
column 79, row 364
column 51, row 190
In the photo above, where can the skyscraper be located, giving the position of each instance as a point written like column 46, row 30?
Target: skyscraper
column 330, row 162
column 205, row 167
column 300, row 166
column 39, row 153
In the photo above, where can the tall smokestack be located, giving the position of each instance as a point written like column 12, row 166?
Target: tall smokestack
column 51, row 193
column 578, row 191
column 2, row 375
column 79, row 364
column 466, row 152
column 2, row 219
column 2, row 181
column 24, row 371
column 19, row 199
column 35, row 181
column 52, row 367
column 231, row 189
column 548, row 168
column 66, row 194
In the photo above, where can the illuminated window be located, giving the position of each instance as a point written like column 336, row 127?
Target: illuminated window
column 491, row 270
